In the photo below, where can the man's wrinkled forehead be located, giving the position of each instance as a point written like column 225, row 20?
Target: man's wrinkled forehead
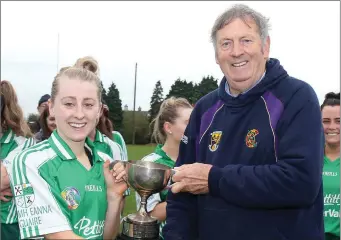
column 248, row 20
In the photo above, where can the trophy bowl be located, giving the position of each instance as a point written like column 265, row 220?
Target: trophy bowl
column 146, row 178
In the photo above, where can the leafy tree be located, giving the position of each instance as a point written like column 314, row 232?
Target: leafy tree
column 141, row 129
column 156, row 101
column 115, row 106
column 104, row 93
column 182, row 88
column 207, row 85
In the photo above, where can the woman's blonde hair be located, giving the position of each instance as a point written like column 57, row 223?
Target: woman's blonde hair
column 12, row 116
column 168, row 113
column 85, row 68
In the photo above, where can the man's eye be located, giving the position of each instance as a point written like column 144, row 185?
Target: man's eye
column 68, row 104
column 225, row 44
column 246, row 41
column 89, row 105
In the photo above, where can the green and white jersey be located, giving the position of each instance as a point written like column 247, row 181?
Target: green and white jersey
column 54, row 192
column 331, row 189
column 109, row 149
column 118, row 138
column 10, row 146
column 159, row 156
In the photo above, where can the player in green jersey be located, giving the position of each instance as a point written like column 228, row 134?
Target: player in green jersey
column 331, row 169
column 63, row 186
column 118, row 138
column 15, row 136
column 169, row 127
column 105, row 127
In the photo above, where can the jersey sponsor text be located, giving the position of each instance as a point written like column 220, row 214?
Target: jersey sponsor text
column 330, row 174
column 32, row 216
column 93, row 188
column 29, row 222
column 332, row 199
column 89, row 229
column 332, row 213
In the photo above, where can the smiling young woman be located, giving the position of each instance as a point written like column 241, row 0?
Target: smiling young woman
column 331, row 169
column 65, row 187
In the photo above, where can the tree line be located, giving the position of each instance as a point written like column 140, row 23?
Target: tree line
column 122, row 120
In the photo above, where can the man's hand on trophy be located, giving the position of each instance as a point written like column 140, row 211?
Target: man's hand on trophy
column 191, row 178
column 115, row 178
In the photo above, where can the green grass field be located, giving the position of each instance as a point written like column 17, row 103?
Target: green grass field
column 135, row 152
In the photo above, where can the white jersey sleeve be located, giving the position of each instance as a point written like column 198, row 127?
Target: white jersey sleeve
column 118, row 154
column 22, row 144
column 123, row 146
column 39, row 212
column 152, row 201
column 116, row 149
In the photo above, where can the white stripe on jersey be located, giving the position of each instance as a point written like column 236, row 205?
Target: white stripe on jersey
column 60, row 147
column 33, row 159
column 116, row 149
column 151, row 157
column 9, row 136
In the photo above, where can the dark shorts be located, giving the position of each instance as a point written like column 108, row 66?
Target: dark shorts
column 10, row 231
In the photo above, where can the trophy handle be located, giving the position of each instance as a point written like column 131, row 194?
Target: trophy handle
column 173, row 172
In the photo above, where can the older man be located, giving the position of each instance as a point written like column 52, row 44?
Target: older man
column 250, row 164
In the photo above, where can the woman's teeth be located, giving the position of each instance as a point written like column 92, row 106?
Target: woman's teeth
column 77, row 125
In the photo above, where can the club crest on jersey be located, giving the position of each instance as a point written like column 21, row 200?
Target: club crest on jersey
column 215, row 140
column 250, row 139
column 24, row 195
column 72, row 197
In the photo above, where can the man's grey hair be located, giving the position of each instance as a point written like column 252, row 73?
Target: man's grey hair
column 243, row 12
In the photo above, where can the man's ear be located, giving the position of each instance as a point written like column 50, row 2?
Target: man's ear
column 266, row 48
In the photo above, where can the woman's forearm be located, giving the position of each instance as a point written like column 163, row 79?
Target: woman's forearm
column 4, row 178
column 159, row 211
column 112, row 219
column 62, row 235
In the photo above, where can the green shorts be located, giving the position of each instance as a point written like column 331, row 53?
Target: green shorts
column 10, row 231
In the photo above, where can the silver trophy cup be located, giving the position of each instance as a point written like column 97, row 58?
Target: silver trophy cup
column 146, row 178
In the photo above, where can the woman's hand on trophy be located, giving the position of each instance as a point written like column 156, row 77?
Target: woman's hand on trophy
column 6, row 193
column 115, row 178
